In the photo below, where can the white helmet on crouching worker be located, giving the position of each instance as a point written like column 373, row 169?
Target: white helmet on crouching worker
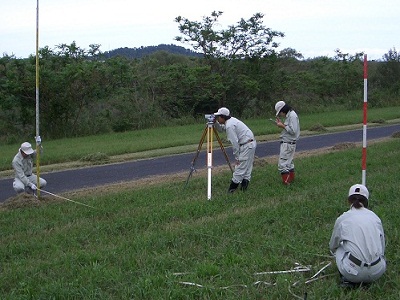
column 26, row 148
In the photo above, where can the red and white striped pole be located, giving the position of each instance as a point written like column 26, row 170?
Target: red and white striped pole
column 364, row 149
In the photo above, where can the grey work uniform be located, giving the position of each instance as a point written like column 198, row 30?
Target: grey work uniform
column 288, row 137
column 358, row 243
column 23, row 172
column 243, row 146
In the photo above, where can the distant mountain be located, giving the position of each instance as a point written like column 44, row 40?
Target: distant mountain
column 133, row 53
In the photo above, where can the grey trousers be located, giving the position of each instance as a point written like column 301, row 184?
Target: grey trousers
column 246, row 160
column 286, row 156
column 19, row 186
column 354, row 273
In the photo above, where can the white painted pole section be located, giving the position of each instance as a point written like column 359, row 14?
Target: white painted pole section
column 209, row 158
column 364, row 150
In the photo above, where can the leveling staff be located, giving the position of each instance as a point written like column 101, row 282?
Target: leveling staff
column 243, row 146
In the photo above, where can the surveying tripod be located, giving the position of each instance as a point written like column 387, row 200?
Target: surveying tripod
column 208, row 132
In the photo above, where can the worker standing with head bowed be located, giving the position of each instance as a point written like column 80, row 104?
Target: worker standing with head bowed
column 288, row 138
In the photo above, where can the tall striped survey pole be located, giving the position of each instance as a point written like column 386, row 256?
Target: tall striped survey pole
column 364, row 149
column 37, row 100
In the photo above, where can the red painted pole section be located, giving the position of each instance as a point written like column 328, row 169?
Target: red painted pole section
column 364, row 149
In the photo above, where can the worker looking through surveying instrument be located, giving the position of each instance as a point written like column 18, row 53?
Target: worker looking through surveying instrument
column 358, row 241
column 25, row 180
column 288, row 138
column 243, row 146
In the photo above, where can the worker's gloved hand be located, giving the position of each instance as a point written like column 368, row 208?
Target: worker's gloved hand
column 33, row 187
column 38, row 140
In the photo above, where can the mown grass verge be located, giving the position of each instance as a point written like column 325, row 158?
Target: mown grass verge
column 168, row 242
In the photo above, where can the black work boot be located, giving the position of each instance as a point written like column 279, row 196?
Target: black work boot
column 244, row 184
column 233, row 186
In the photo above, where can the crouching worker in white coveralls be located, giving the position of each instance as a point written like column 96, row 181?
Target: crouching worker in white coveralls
column 243, row 146
column 358, row 241
column 25, row 180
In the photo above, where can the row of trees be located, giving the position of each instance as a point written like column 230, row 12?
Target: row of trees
column 84, row 93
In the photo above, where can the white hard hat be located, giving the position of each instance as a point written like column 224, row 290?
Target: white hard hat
column 26, row 148
column 278, row 106
column 359, row 189
column 222, row 111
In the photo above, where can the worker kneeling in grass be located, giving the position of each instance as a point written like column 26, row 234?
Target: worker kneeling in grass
column 358, row 241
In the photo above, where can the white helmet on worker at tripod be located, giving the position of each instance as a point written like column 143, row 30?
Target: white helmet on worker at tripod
column 223, row 111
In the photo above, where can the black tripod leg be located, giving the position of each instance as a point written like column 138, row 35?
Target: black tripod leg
column 223, row 149
column 192, row 169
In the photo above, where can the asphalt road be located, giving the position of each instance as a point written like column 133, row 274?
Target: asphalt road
column 68, row 180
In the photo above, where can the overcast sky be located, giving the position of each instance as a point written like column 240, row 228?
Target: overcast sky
column 312, row 27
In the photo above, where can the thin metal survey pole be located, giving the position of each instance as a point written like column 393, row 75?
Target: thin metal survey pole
column 37, row 101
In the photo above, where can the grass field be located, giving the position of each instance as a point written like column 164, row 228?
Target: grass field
column 161, row 241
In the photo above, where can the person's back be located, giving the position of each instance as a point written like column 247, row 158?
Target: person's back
column 361, row 232
column 358, row 240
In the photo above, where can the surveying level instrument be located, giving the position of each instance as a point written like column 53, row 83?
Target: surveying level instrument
column 208, row 132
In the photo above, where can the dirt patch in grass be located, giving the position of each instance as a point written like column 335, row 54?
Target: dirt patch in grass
column 344, row 146
column 97, row 157
column 396, row 134
column 378, row 121
column 24, row 200
column 318, row 127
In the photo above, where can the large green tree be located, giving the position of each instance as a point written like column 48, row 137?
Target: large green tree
column 224, row 49
column 247, row 38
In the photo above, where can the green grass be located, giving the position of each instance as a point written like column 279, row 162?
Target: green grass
column 133, row 244
column 168, row 140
